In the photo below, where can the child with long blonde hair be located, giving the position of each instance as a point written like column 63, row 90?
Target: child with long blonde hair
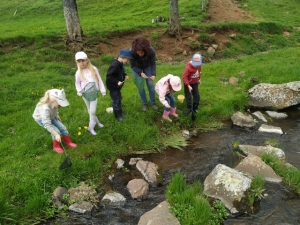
column 46, row 115
column 86, row 75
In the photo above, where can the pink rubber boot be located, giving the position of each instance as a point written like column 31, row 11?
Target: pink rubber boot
column 173, row 112
column 166, row 116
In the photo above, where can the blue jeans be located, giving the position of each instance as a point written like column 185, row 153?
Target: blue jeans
column 58, row 127
column 171, row 100
column 150, row 85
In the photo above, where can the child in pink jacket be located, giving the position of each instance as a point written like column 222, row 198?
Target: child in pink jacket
column 165, row 88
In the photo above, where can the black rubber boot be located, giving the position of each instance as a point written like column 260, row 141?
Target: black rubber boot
column 195, row 107
column 187, row 111
column 118, row 115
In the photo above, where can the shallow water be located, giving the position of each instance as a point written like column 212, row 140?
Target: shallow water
column 279, row 206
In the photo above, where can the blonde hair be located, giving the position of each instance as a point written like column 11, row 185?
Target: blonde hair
column 91, row 67
column 46, row 99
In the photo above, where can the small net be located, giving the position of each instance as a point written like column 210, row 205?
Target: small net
column 139, row 82
column 66, row 163
column 90, row 92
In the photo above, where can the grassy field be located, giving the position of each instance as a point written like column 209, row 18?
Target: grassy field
column 34, row 58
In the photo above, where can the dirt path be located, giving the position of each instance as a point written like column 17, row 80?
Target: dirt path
column 171, row 50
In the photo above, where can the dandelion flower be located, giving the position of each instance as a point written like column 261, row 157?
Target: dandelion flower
column 79, row 128
column 85, row 127
column 79, row 133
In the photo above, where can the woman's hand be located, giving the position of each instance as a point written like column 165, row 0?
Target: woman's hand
column 144, row 75
column 79, row 94
column 126, row 77
column 120, row 83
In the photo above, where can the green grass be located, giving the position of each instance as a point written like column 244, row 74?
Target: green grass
column 34, row 58
column 190, row 206
column 291, row 175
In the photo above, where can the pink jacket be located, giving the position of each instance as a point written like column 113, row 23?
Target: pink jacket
column 162, row 88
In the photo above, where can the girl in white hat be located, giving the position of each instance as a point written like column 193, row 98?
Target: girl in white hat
column 46, row 115
column 86, row 74
column 165, row 88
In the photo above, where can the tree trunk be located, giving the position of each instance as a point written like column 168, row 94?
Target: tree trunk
column 175, row 27
column 72, row 20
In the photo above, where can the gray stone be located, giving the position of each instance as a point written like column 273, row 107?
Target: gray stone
column 113, row 198
column 138, row 188
column 81, row 207
column 242, row 120
column 260, row 150
column 160, row 215
column 253, row 166
column 276, row 115
column 260, row 116
column 270, row 129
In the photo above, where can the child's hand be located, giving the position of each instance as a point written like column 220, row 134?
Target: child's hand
column 190, row 88
column 57, row 137
column 152, row 77
column 199, row 82
column 126, row 77
column 168, row 106
column 79, row 94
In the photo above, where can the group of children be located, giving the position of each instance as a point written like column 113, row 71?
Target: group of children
column 88, row 83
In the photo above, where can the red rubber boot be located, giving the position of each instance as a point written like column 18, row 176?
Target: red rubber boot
column 57, row 147
column 68, row 142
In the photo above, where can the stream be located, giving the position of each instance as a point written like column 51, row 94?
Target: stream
column 280, row 205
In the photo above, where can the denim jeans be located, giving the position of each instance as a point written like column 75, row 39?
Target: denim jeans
column 150, row 85
column 171, row 100
column 58, row 127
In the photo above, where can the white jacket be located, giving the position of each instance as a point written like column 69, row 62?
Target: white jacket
column 79, row 84
column 45, row 113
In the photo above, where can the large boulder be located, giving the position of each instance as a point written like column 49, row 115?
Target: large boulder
column 277, row 96
column 227, row 185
